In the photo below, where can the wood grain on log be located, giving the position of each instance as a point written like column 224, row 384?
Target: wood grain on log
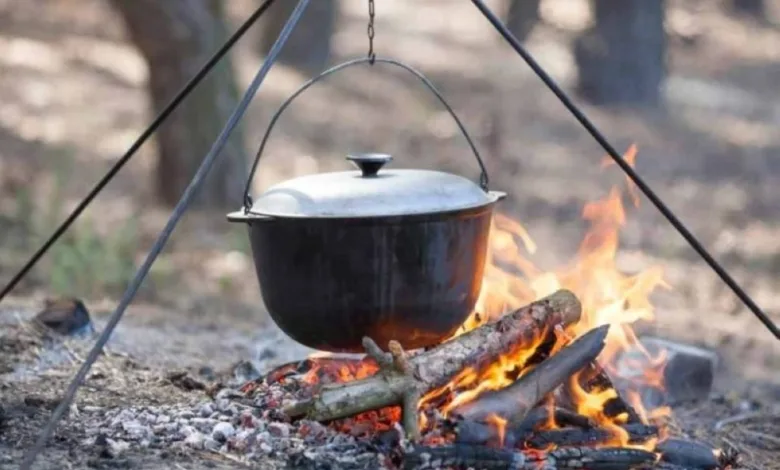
column 515, row 401
column 403, row 379
column 688, row 454
column 478, row 433
column 637, row 433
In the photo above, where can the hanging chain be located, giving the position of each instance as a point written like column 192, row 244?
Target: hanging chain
column 371, row 54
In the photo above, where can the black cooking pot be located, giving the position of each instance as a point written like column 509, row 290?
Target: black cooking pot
column 386, row 253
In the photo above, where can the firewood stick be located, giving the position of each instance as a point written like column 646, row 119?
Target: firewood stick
column 688, row 454
column 515, row 401
column 478, row 433
column 410, row 377
column 459, row 456
column 475, row 433
column 607, row 458
column 637, row 434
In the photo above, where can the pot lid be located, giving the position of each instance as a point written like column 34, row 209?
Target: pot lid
column 371, row 191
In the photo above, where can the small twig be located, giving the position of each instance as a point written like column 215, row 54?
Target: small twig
column 410, row 415
column 232, row 458
column 383, row 359
column 411, row 397
column 108, row 352
column 40, row 330
column 74, row 357
column 400, row 360
column 741, row 418
column 739, row 449
column 760, row 435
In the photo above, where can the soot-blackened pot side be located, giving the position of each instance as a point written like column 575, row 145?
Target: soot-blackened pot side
column 328, row 282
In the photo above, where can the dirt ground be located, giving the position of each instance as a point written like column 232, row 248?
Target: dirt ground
column 73, row 98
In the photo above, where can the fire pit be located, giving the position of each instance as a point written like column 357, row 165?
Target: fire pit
column 512, row 386
column 560, row 382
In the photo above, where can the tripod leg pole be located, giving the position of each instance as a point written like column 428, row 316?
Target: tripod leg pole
column 621, row 162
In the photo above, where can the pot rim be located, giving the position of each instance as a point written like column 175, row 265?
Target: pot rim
column 249, row 216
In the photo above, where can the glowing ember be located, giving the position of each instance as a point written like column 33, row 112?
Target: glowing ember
column 608, row 296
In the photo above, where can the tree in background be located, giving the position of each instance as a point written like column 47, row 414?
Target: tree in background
column 521, row 17
column 621, row 60
column 308, row 47
column 176, row 37
column 754, row 8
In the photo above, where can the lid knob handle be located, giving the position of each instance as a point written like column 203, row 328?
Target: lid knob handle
column 369, row 163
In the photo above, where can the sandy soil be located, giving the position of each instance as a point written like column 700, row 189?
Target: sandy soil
column 73, row 97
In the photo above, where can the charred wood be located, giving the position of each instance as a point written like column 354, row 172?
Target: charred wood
column 401, row 380
column 616, row 406
column 688, row 454
column 593, row 379
column 478, row 433
column 607, row 458
column 560, row 416
column 460, row 456
column 637, row 433
column 515, row 401
column 688, row 371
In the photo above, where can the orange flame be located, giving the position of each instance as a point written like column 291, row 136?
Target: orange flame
column 608, row 296
column 500, row 424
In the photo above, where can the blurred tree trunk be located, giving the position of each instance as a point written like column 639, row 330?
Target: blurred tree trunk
column 176, row 37
column 621, row 60
column 754, row 8
column 308, row 48
column 522, row 16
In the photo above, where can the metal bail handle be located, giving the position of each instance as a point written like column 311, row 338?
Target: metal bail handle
column 483, row 177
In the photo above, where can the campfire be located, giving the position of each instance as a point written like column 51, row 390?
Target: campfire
column 535, row 378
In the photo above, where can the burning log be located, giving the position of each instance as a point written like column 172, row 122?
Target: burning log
column 594, row 378
column 515, row 401
column 402, row 379
column 688, row 454
column 637, row 434
column 544, row 414
column 461, row 456
column 688, row 372
column 476, row 433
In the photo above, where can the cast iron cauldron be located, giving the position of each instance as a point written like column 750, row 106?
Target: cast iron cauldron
column 379, row 252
